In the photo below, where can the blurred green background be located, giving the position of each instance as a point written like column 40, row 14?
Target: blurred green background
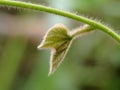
column 92, row 63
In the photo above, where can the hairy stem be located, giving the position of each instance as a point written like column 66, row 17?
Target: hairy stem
column 82, row 30
column 61, row 13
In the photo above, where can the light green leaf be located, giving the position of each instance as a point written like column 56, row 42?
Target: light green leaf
column 59, row 41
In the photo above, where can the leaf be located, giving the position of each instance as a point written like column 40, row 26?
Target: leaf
column 59, row 41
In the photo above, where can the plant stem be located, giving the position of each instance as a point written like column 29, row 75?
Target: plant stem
column 82, row 30
column 92, row 23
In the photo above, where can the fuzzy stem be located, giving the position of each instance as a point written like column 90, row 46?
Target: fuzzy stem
column 92, row 23
column 82, row 30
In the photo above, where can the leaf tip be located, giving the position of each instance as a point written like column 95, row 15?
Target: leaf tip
column 40, row 46
column 52, row 70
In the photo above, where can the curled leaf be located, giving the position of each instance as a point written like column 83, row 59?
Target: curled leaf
column 58, row 40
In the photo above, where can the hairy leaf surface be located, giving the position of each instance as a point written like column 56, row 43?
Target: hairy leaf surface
column 58, row 40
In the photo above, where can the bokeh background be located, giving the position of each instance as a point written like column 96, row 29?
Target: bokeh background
column 92, row 63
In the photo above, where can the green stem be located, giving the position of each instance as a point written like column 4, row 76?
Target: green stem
column 82, row 30
column 61, row 13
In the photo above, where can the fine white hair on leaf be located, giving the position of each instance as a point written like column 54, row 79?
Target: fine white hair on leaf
column 58, row 40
